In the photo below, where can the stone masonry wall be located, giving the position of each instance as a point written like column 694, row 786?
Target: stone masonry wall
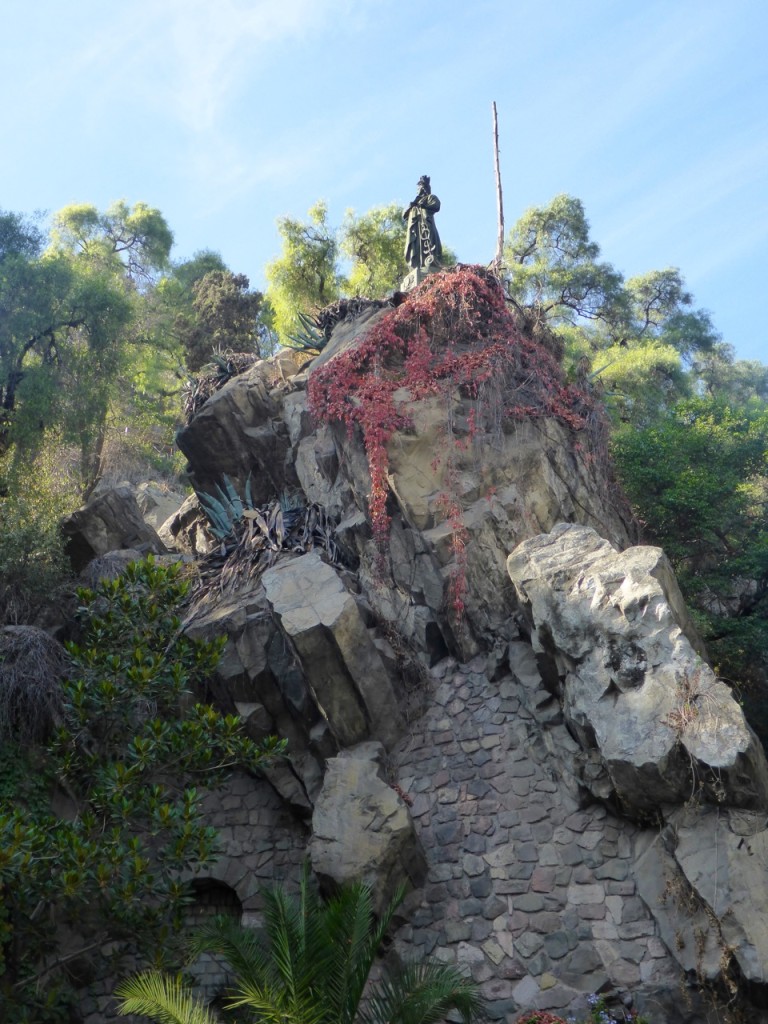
column 262, row 842
column 531, row 884
column 528, row 889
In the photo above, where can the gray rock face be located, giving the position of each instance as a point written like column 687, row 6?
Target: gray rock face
column 157, row 504
column 512, row 480
column 184, row 530
column 704, row 878
column 542, row 894
column 724, row 858
column 258, row 679
column 634, row 690
column 342, row 665
column 240, row 431
column 362, row 830
column 109, row 522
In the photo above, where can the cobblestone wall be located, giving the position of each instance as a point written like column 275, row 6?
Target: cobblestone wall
column 529, row 891
column 531, row 886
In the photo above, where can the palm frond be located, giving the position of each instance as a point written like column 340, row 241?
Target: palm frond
column 273, row 1005
column 161, row 997
column 310, row 965
column 353, row 937
column 286, row 920
column 423, row 993
column 242, row 948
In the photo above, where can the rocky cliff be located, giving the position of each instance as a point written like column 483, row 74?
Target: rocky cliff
column 487, row 689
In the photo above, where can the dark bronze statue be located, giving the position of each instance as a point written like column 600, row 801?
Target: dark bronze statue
column 423, row 250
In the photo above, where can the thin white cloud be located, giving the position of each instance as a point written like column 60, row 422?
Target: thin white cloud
column 691, row 197
column 190, row 57
column 727, row 251
column 228, row 172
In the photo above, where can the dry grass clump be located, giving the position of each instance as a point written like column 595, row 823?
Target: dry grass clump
column 214, row 375
column 32, row 664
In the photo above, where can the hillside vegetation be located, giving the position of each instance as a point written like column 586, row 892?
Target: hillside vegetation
column 104, row 337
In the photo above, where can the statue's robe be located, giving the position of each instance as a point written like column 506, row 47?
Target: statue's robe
column 422, row 246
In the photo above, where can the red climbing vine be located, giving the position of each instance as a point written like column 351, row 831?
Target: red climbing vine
column 454, row 332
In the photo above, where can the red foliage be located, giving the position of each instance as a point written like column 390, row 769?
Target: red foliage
column 540, row 1017
column 453, row 332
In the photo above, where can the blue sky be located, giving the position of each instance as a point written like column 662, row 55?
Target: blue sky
column 226, row 114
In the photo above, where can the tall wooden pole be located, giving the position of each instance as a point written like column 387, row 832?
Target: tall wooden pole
column 499, row 258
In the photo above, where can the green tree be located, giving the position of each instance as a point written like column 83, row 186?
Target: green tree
column 129, row 247
column 719, row 374
column 697, row 478
column 33, row 500
column 639, row 383
column 305, row 277
column 187, row 273
column 170, row 310
column 19, row 236
column 311, row 967
column 553, row 265
column 225, row 315
column 656, row 307
column 134, row 239
column 633, row 339
column 375, row 243
column 70, row 319
column 59, row 322
column 127, row 744
column 145, row 408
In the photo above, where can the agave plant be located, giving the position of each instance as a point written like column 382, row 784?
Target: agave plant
column 309, row 338
column 227, row 509
column 311, row 965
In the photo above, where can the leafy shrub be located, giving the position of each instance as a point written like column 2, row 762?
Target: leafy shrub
column 122, row 764
column 32, row 559
column 697, row 479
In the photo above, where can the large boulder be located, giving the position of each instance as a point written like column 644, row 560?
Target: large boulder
column 613, row 628
column 362, row 830
column 261, row 681
column 339, row 657
column 109, row 522
column 157, row 503
column 240, row 432
column 703, row 877
column 185, row 529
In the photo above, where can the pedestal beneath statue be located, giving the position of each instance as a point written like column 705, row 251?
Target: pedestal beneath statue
column 417, row 275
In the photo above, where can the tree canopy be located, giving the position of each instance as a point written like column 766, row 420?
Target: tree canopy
column 374, row 242
column 553, row 265
column 59, row 320
column 137, row 237
column 305, row 277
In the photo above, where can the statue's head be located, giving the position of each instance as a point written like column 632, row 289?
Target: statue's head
column 424, row 183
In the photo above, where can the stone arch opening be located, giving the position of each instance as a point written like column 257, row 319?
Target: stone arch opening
column 211, row 899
